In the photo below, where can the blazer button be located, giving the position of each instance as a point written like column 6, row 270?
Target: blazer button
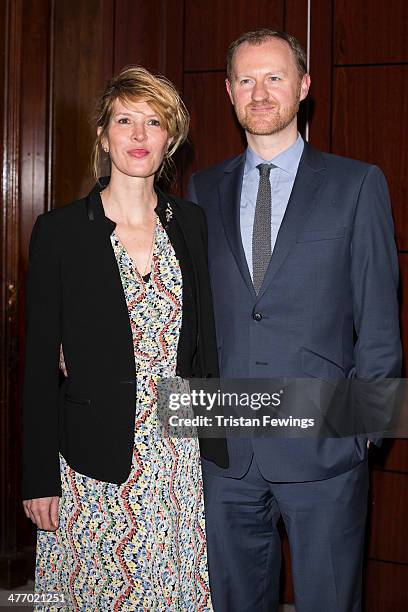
column 257, row 316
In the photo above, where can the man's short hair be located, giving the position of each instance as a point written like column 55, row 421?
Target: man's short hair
column 257, row 37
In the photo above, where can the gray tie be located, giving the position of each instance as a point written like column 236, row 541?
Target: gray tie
column 261, row 234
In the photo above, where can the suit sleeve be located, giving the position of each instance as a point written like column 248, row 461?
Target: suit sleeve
column 41, row 472
column 191, row 190
column 374, row 278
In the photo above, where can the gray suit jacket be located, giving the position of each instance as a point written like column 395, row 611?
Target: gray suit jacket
column 328, row 305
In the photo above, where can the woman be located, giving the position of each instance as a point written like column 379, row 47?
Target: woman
column 120, row 280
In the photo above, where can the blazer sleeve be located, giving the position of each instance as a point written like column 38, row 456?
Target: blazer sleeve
column 41, row 472
column 374, row 280
column 207, row 331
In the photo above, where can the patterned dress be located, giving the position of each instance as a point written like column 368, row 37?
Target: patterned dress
column 140, row 545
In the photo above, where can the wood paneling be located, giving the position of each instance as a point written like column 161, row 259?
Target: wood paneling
column 369, row 118
column 135, row 42
column 368, row 32
column 385, row 586
column 83, row 61
column 34, row 115
column 388, row 517
column 403, row 264
column 321, row 66
column 211, row 25
column 391, row 455
column 295, row 20
column 150, row 34
column 215, row 133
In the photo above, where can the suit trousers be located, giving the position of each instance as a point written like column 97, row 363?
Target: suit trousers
column 325, row 522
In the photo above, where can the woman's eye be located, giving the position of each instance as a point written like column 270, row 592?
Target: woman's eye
column 154, row 122
column 123, row 120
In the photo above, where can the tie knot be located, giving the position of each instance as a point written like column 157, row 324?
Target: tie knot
column 264, row 169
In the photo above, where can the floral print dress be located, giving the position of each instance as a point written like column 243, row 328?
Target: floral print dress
column 140, row 545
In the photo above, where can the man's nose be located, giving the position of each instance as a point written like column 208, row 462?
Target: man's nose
column 259, row 91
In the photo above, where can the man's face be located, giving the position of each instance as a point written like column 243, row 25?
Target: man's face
column 266, row 88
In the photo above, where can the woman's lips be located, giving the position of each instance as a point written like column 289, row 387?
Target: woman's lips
column 138, row 153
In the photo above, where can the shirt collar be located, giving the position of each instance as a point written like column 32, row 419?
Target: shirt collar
column 288, row 160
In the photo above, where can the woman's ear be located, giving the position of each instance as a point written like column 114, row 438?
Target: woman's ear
column 104, row 141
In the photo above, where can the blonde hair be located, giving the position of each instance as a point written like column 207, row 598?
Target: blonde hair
column 135, row 83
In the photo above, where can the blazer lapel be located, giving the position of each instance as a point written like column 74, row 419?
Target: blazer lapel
column 229, row 203
column 308, row 179
column 106, row 271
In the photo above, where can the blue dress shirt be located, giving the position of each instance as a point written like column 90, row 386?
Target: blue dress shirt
column 281, row 178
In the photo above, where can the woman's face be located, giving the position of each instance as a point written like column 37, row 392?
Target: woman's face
column 136, row 139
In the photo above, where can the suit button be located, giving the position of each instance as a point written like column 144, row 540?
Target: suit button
column 257, row 316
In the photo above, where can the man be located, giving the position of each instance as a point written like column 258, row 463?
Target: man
column 304, row 275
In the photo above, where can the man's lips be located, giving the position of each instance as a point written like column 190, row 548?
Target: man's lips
column 261, row 109
column 138, row 153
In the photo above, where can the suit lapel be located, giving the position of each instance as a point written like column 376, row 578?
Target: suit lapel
column 309, row 177
column 229, row 202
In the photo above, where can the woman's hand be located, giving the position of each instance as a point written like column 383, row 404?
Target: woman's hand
column 43, row 511
column 62, row 365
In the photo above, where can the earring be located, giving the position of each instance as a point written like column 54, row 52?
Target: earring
column 105, row 149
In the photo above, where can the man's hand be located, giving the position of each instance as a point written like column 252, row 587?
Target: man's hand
column 43, row 511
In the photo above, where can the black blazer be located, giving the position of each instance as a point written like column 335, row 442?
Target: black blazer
column 75, row 297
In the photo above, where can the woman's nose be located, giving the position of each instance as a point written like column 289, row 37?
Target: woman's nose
column 139, row 132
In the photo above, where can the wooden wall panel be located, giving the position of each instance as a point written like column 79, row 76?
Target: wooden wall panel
column 295, row 19
column 392, row 455
column 321, row 69
column 135, row 43
column 7, row 524
column 370, row 31
column 369, row 117
column 388, row 522
column 211, row 25
column 34, row 115
column 83, row 62
column 150, row 34
column 215, row 133
column 403, row 263
column 385, row 586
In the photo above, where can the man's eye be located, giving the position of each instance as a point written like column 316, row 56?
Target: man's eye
column 274, row 78
column 245, row 81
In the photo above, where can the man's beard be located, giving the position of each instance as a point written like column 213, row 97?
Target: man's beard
column 269, row 123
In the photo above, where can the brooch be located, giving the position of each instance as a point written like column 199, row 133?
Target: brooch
column 169, row 212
